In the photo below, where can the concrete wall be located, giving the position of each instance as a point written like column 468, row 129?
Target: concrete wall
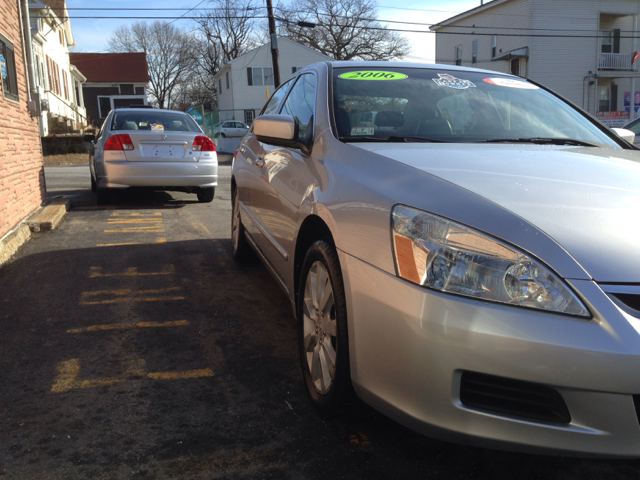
column 21, row 165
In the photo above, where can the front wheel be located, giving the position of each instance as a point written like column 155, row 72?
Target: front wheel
column 322, row 329
column 205, row 195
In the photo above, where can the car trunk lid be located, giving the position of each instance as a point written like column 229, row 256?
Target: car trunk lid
column 152, row 146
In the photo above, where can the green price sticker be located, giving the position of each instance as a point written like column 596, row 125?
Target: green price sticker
column 372, row 75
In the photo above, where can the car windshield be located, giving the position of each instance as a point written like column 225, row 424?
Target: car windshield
column 436, row 105
column 153, row 120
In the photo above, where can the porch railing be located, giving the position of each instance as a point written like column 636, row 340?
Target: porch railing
column 616, row 61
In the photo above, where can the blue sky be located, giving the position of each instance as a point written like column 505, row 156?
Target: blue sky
column 91, row 35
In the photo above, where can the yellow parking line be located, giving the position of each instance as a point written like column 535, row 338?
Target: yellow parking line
column 145, row 228
column 133, row 220
column 136, row 214
column 68, row 371
column 116, row 244
column 128, row 295
column 202, row 372
column 95, row 272
column 66, row 377
column 125, row 326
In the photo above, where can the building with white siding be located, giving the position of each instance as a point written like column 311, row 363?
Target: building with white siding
column 58, row 83
column 246, row 81
column 582, row 49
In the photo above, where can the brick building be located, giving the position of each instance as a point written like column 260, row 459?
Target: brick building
column 22, row 187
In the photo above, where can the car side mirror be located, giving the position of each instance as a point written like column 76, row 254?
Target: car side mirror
column 282, row 130
column 625, row 134
column 89, row 137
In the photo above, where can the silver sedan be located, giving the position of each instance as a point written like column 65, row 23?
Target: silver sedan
column 149, row 147
column 460, row 249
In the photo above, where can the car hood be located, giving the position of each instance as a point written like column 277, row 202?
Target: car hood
column 586, row 198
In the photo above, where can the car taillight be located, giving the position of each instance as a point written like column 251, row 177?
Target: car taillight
column 202, row 143
column 120, row 141
column 235, row 153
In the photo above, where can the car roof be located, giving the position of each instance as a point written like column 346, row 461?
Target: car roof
column 430, row 66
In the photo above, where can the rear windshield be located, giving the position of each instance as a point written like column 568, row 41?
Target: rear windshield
column 451, row 106
column 153, row 120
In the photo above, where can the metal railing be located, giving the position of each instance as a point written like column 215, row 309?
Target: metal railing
column 615, row 61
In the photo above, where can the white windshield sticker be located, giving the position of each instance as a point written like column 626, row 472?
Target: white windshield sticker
column 510, row 82
column 447, row 80
column 363, row 130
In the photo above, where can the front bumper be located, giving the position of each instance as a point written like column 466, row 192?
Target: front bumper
column 409, row 347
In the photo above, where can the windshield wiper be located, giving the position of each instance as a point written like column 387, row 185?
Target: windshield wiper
column 540, row 141
column 390, row 139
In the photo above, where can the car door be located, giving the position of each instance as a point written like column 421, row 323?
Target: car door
column 277, row 199
column 247, row 173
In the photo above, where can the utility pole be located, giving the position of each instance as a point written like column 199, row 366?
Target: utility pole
column 274, row 45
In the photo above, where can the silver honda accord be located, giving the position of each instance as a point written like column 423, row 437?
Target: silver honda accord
column 461, row 249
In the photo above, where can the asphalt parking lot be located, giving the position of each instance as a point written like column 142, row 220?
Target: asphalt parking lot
column 133, row 346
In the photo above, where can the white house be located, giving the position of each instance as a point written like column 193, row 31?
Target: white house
column 59, row 84
column 245, row 83
column 582, row 49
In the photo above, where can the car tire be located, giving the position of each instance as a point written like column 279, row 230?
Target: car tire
column 322, row 330
column 241, row 249
column 205, row 195
column 103, row 195
column 223, row 135
column 93, row 184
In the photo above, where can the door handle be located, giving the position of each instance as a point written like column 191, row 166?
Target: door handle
column 259, row 162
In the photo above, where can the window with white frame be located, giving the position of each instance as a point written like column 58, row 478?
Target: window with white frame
column 249, row 115
column 259, row 76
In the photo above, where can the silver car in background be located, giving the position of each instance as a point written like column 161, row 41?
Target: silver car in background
column 149, row 147
column 460, row 247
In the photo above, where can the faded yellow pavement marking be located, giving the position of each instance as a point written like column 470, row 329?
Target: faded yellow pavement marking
column 116, row 244
column 125, row 326
column 128, row 295
column 148, row 222
column 136, row 214
column 68, row 373
column 146, row 228
column 67, row 377
column 111, row 221
column 95, row 272
column 202, row 372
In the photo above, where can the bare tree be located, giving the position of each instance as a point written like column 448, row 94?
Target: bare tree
column 228, row 30
column 345, row 30
column 170, row 55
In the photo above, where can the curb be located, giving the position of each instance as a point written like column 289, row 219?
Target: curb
column 50, row 216
column 12, row 241
column 41, row 220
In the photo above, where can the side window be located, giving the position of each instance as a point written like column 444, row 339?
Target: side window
column 8, row 67
column 301, row 102
column 273, row 105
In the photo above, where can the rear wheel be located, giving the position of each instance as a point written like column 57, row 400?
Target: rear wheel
column 322, row 330
column 205, row 195
column 241, row 249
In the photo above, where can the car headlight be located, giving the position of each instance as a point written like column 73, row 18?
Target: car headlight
column 447, row 256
